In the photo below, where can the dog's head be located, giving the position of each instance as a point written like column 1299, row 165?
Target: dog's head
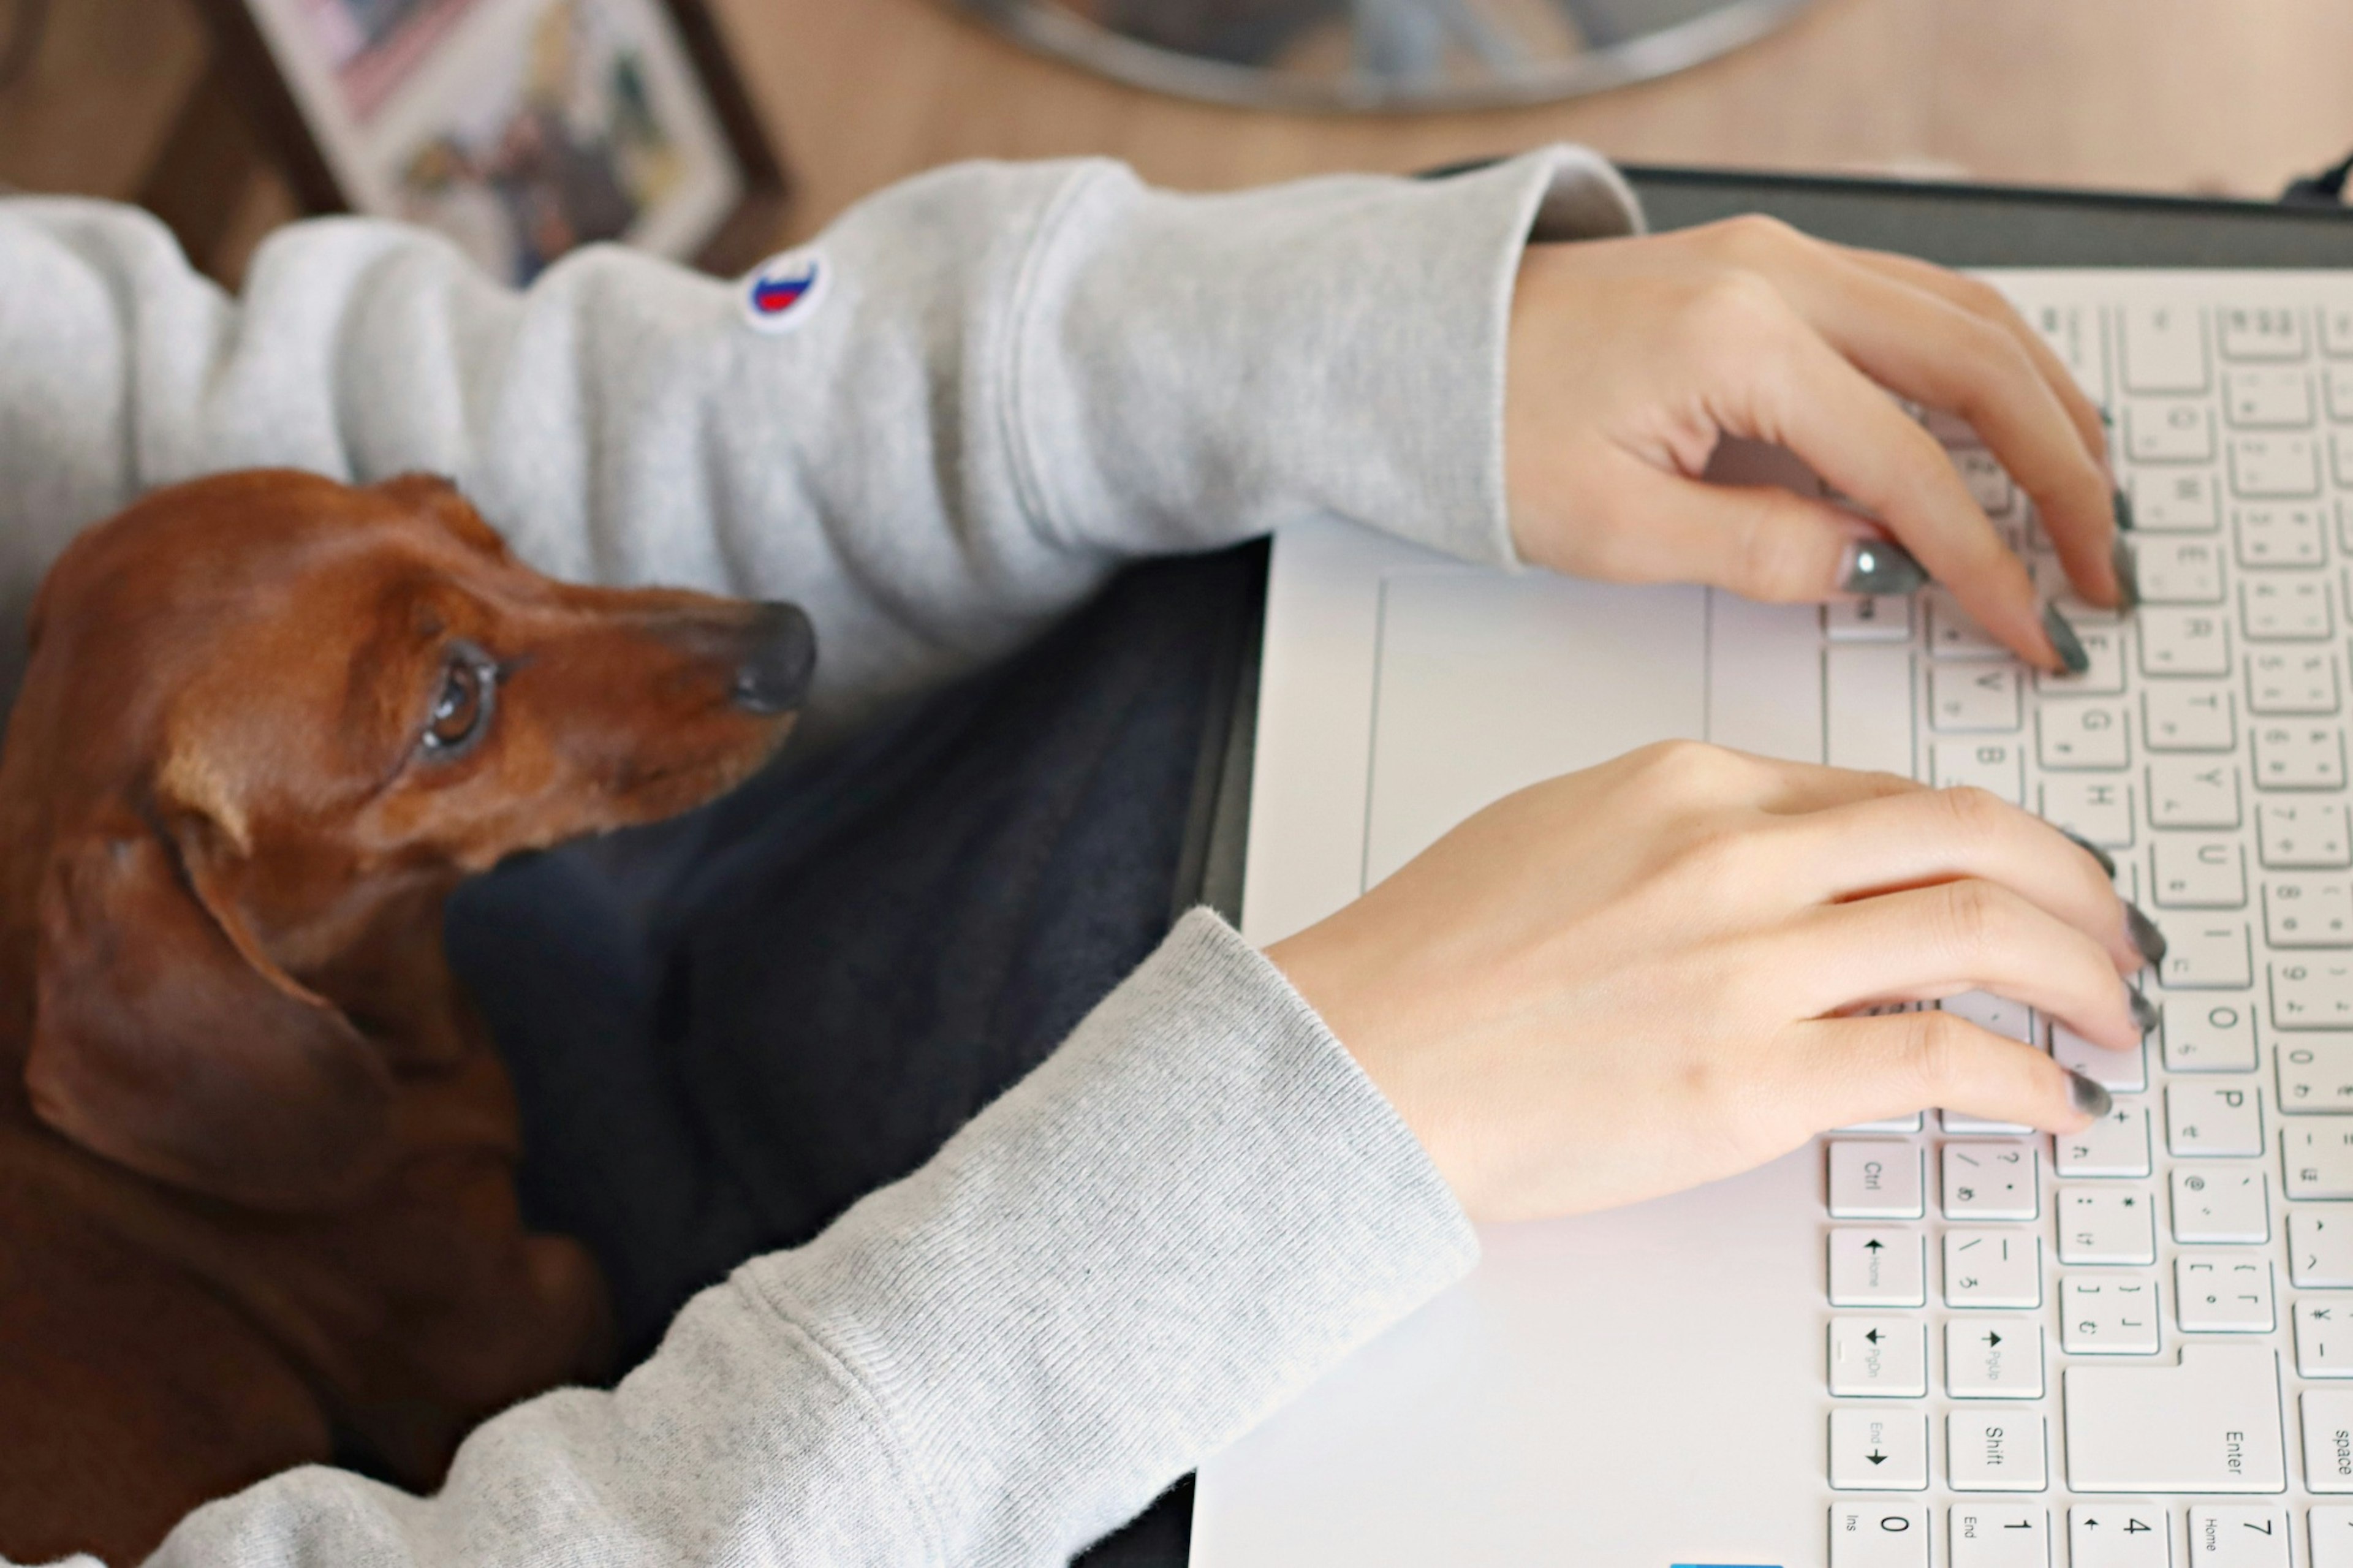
column 267, row 717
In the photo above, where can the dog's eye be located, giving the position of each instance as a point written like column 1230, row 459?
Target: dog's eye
column 462, row 709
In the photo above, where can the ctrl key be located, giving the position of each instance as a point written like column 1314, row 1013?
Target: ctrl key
column 1879, row 1451
column 1878, row 1535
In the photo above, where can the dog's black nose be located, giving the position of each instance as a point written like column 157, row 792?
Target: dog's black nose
column 774, row 674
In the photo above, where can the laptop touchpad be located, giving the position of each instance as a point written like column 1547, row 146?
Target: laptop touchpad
column 1489, row 683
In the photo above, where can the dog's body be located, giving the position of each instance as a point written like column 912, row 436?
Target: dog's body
column 256, row 1151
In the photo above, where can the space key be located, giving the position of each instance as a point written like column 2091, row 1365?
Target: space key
column 2210, row 1424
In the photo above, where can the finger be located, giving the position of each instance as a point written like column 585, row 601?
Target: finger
column 1863, row 1069
column 1917, row 839
column 1805, row 396
column 1934, row 351
column 1969, row 935
column 1985, row 300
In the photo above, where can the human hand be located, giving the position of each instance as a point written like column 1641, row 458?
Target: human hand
column 1636, row 979
column 1630, row 358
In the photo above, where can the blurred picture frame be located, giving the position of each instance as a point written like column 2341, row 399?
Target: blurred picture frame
column 519, row 128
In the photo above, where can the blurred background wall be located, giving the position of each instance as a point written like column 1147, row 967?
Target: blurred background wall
column 2209, row 96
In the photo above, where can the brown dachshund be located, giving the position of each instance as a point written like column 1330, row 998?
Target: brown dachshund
column 256, row 1150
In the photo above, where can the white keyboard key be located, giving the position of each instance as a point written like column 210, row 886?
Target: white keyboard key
column 2223, row 1293
column 1998, row 766
column 2273, row 536
column 2340, row 378
column 1878, row 1535
column 2108, row 1314
column 2292, row 681
column 1878, row 1450
column 2104, row 669
column 2106, row 1226
column 1881, row 617
column 2237, row 1537
column 2313, row 993
column 2097, row 807
column 2340, row 448
column 1999, row 1537
column 2328, row 1455
column 1995, row 1451
column 1874, row 1180
column 2187, row 501
column 2118, row 1072
column 2317, row 1161
column 2125, row 1535
column 2337, row 329
column 2075, row 333
column 1993, row 1358
column 1964, row 1126
column 2164, row 348
column 1877, row 1269
column 2210, row 1424
column 2324, row 1337
column 2316, row 1074
column 2268, row 399
column 2220, row 1205
column 2308, row 911
column 2074, row 736
column 2011, row 1020
column 2332, row 1528
column 2181, row 716
column 2275, row 467
column 2213, row 1120
column 2114, row 1145
column 1973, row 697
column 1885, row 1124
column 1878, row 1358
column 2300, row 835
column 1993, row 1268
column 2183, row 641
column 2290, row 608
column 2193, row 872
column 2290, row 754
column 1991, row 1181
column 2178, row 571
column 2172, row 432
column 1953, row 632
column 1989, row 482
column 2209, row 1035
column 2207, row 956
column 2192, row 793
column 1868, row 707
column 2270, row 333
column 2320, row 1250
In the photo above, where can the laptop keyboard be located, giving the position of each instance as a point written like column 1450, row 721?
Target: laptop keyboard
column 2133, row 1347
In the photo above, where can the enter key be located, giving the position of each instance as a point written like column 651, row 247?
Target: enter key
column 2210, row 1424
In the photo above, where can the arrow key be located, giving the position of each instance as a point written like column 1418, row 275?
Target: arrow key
column 1878, row 1450
column 1883, row 1358
column 1987, row 1360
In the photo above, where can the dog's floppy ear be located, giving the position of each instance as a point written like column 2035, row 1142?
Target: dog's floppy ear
column 438, row 497
column 164, row 1040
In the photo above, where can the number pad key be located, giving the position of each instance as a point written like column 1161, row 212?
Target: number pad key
column 2114, row 1145
column 2220, row 1205
column 2108, row 1314
column 2184, row 716
column 2106, row 1226
column 2316, row 1074
column 2324, row 1337
column 2183, row 642
column 2119, row 1535
column 1994, row 1269
column 1993, row 1358
column 2237, row 1537
column 1879, row 1535
column 2291, row 755
column 2286, row 682
column 1991, row 1181
column 2317, row 1159
column 2308, row 911
column 2286, row 610
column 2223, row 1293
column 2312, row 993
column 2320, row 1250
column 2299, row 835
column 1999, row 1537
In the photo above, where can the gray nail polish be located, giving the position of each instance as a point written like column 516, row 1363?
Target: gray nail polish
column 1880, row 566
column 2144, row 1013
column 2086, row 1096
column 2145, row 934
column 2123, row 511
column 2063, row 641
column 2107, row 862
column 2120, row 556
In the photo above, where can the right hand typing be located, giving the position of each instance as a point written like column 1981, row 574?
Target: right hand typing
column 1642, row 977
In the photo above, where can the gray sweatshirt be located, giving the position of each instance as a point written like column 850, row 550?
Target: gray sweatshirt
column 1006, row 381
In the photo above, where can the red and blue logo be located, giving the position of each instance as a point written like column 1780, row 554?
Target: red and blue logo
column 784, row 290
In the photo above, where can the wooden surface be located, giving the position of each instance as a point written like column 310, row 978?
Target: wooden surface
column 2218, row 96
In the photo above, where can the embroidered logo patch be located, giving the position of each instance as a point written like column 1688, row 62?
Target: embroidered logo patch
column 784, row 290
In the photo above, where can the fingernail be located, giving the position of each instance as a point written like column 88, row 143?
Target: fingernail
column 2063, row 641
column 2107, row 862
column 1880, row 566
column 2128, row 570
column 2144, row 1013
column 2125, row 512
column 2107, row 418
column 2086, row 1096
column 2144, row 934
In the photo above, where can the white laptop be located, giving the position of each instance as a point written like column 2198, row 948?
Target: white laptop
column 2132, row 1350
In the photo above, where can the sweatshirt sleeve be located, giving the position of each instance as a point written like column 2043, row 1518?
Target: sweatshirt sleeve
column 1012, row 379
column 1186, row 1214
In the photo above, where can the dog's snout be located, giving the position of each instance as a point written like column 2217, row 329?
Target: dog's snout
column 782, row 655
